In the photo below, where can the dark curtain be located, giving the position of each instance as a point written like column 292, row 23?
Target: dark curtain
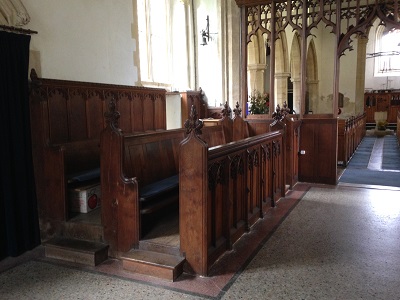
column 19, row 225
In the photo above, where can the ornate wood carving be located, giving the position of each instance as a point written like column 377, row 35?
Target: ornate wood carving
column 215, row 174
column 358, row 16
column 276, row 148
column 346, row 18
column 236, row 166
column 280, row 113
column 112, row 116
column 266, row 152
column 252, row 159
column 193, row 123
column 237, row 110
column 226, row 111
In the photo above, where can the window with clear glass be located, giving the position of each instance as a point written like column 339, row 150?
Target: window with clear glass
column 387, row 54
column 163, row 43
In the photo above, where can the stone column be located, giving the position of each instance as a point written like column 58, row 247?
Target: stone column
column 281, row 88
column 296, row 95
column 256, row 73
column 360, row 74
column 312, row 87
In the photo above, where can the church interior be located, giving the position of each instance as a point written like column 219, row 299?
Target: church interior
column 200, row 149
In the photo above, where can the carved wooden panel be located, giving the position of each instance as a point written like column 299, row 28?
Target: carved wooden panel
column 75, row 110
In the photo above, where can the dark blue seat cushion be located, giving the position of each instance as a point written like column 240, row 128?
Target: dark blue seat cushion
column 85, row 176
column 159, row 188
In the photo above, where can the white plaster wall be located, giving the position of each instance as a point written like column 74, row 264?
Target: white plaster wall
column 326, row 62
column 348, row 72
column 209, row 57
column 83, row 40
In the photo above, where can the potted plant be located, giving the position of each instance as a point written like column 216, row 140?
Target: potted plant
column 382, row 125
column 258, row 103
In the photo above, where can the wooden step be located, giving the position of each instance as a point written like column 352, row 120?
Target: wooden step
column 77, row 251
column 151, row 245
column 86, row 227
column 154, row 264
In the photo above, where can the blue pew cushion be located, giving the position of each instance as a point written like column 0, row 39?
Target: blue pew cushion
column 83, row 176
column 159, row 188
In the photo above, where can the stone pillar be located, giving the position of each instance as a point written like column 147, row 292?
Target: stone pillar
column 296, row 95
column 281, row 88
column 256, row 73
column 360, row 74
column 312, row 88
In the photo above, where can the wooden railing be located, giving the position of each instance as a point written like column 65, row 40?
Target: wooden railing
column 350, row 134
column 223, row 191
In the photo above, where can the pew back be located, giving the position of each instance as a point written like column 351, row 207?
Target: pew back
column 66, row 120
column 152, row 156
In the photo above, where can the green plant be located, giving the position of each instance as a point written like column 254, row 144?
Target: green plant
column 382, row 125
column 258, row 103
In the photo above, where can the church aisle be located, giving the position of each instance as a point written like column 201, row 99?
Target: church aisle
column 376, row 162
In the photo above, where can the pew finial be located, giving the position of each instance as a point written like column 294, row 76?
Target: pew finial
column 193, row 123
column 112, row 116
column 237, row 110
column 226, row 111
column 280, row 113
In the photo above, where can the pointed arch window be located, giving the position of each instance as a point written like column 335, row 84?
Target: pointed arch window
column 387, row 54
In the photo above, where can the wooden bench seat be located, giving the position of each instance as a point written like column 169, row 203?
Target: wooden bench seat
column 87, row 175
column 159, row 194
column 140, row 176
column 152, row 158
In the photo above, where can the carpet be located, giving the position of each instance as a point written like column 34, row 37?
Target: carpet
column 361, row 158
column 357, row 172
column 391, row 153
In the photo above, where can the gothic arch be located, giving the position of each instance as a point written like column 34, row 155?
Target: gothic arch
column 256, row 64
column 312, row 78
column 295, row 71
column 281, row 69
column 281, row 54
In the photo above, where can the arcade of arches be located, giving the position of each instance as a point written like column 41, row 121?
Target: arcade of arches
column 320, row 84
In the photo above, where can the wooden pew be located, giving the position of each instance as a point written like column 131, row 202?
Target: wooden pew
column 66, row 120
column 350, row 134
column 224, row 190
column 237, row 129
column 133, row 165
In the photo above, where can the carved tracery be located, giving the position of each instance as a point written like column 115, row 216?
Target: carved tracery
column 347, row 19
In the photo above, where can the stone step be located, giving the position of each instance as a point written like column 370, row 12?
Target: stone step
column 160, row 265
column 77, row 251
